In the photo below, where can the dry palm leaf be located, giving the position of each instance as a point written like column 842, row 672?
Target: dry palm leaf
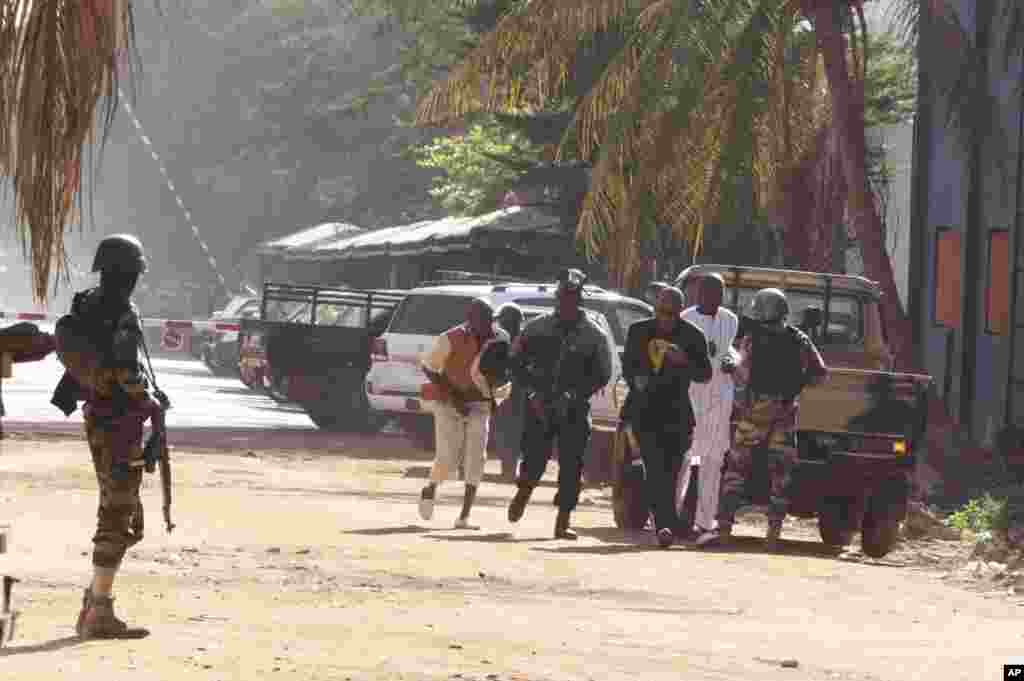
column 534, row 47
column 59, row 67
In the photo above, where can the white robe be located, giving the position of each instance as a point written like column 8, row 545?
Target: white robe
column 712, row 409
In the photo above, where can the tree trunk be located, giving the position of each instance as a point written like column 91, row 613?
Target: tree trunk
column 848, row 115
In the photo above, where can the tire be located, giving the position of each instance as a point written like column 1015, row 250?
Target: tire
column 421, row 431
column 834, row 523
column 630, row 506
column 357, row 418
column 878, row 537
column 886, row 509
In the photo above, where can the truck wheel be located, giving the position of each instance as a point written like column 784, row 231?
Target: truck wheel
column 630, row 505
column 420, row 430
column 834, row 523
column 887, row 507
column 878, row 536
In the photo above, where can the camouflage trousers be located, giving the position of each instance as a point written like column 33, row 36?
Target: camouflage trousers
column 120, row 519
column 762, row 439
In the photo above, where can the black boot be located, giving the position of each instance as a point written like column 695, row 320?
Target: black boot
column 562, row 530
column 518, row 505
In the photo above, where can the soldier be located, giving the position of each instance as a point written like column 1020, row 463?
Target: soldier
column 777, row 362
column 664, row 354
column 99, row 344
column 563, row 359
column 508, row 421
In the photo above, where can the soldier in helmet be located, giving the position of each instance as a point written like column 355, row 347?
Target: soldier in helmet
column 778, row 361
column 562, row 360
column 98, row 343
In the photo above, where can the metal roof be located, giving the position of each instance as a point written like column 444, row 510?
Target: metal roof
column 437, row 236
column 765, row 277
column 311, row 236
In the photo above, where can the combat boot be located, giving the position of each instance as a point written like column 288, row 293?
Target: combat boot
column 86, row 604
column 518, row 505
column 771, row 539
column 99, row 620
column 562, row 530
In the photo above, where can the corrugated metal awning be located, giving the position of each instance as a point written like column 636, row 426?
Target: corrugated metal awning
column 509, row 228
column 311, row 237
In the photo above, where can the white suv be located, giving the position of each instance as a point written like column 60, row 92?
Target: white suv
column 394, row 381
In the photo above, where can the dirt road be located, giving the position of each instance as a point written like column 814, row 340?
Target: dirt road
column 291, row 567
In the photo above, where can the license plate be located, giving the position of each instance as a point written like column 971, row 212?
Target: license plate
column 695, row 460
column 412, row 405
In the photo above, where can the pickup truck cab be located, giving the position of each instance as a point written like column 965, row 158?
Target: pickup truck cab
column 857, row 432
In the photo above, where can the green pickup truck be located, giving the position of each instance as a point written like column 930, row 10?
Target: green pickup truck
column 857, row 431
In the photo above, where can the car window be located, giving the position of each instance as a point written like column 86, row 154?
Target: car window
column 429, row 315
column 845, row 324
column 627, row 315
column 351, row 316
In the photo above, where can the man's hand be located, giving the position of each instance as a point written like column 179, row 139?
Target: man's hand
column 728, row 363
column 676, row 357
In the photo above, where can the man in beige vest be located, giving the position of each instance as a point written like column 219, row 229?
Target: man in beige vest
column 462, row 406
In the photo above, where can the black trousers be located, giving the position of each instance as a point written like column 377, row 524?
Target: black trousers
column 662, row 451
column 573, row 437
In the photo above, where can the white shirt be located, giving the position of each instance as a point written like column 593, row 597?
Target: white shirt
column 720, row 331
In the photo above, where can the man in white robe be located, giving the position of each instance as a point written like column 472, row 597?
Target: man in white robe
column 712, row 402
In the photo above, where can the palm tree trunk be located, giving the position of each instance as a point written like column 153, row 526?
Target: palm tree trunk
column 848, row 116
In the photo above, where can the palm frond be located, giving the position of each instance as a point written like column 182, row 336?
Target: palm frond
column 530, row 50
column 59, row 71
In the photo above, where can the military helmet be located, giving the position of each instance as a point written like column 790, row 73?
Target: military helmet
column 769, row 305
column 121, row 253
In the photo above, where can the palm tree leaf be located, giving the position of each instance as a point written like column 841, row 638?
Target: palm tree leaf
column 536, row 42
column 59, row 73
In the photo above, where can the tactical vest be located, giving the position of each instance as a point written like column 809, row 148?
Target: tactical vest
column 458, row 366
column 85, row 337
column 777, row 367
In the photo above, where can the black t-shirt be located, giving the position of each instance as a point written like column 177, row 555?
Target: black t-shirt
column 659, row 396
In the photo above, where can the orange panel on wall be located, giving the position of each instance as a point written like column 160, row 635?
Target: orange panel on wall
column 997, row 293
column 947, row 278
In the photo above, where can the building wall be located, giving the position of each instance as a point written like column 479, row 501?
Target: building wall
column 945, row 207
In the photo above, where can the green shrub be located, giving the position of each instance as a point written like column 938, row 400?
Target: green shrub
column 983, row 514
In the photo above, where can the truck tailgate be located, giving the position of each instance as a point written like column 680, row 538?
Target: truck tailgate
column 866, row 412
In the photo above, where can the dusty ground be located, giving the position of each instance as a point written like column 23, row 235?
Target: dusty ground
column 295, row 566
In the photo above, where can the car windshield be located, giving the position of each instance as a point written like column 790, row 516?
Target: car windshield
column 429, row 315
column 845, row 325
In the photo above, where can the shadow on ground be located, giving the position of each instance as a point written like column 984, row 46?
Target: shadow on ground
column 46, row 647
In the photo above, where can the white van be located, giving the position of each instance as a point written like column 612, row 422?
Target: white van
column 395, row 378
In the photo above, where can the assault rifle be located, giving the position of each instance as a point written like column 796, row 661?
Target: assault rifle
column 156, row 451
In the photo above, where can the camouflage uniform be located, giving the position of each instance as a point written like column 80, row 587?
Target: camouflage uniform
column 98, row 343
column 117, row 405
column 767, row 426
column 778, row 361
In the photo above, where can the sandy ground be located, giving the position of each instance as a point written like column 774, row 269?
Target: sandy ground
column 315, row 565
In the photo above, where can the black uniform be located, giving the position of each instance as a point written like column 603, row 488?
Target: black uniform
column 564, row 364
column 658, row 406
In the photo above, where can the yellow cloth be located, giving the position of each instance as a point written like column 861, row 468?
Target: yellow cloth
column 656, row 350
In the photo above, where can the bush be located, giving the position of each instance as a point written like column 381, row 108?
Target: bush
column 983, row 514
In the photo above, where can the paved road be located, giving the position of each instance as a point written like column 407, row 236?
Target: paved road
column 207, row 410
